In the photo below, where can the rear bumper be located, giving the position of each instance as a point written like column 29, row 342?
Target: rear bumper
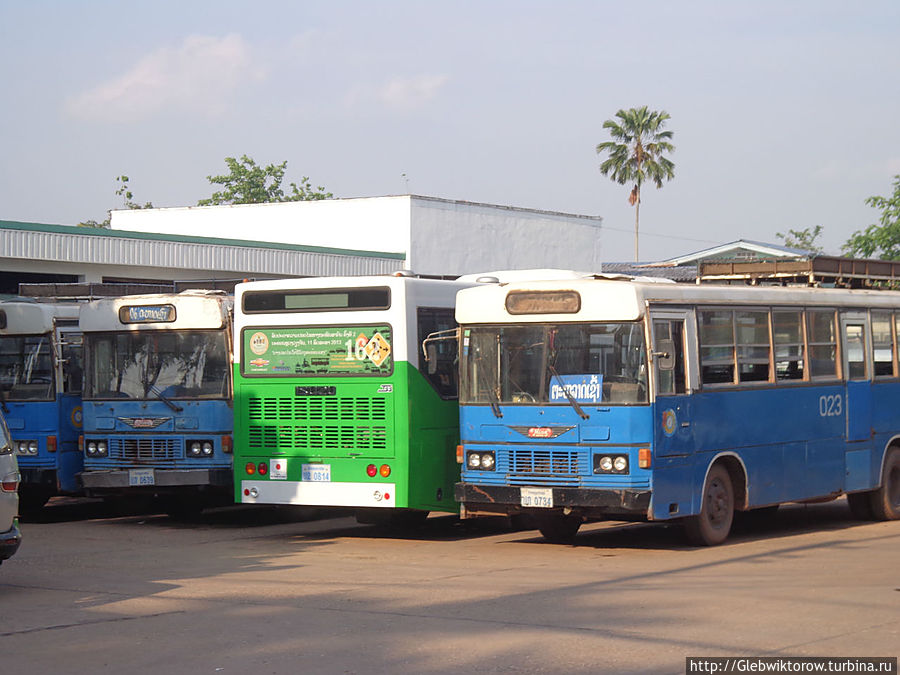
column 100, row 482
column 9, row 541
column 596, row 503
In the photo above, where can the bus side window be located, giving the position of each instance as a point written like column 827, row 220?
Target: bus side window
column 442, row 373
column 669, row 334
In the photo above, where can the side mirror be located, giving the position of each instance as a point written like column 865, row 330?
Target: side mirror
column 665, row 357
column 431, row 358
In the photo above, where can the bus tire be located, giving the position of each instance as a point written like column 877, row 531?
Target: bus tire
column 557, row 528
column 713, row 524
column 860, row 504
column 885, row 500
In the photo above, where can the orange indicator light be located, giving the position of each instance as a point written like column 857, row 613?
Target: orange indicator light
column 250, row 468
column 644, row 458
column 385, row 471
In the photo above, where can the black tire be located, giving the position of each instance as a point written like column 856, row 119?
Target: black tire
column 557, row 528
column 885, row 500
column 713, row 524
column 860, row 504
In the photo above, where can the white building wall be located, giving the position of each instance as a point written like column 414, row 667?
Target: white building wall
column 464, row 238
column 438, row 236
column 366, row 224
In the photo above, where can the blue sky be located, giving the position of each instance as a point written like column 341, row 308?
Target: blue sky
column 786, row 114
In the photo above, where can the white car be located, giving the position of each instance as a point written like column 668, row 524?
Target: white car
column 10, row 537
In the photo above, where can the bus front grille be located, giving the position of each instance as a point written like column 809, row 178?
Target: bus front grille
column 146, row 449
column 562, row 463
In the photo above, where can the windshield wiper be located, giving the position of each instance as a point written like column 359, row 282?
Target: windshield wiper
column 173, row 406
column 572, row 401
column 495, row 404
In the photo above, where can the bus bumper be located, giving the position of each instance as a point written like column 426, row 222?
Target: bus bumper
column 9, row 542
column 104, row 482
column 593, row 503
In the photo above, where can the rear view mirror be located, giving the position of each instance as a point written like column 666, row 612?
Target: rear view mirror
column 665, row 356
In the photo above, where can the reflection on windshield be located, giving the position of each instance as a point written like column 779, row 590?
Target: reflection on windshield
column 584, row 363
column 152, row 365
column 26, row 368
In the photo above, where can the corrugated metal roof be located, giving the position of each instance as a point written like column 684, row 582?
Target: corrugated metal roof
column 63, row 243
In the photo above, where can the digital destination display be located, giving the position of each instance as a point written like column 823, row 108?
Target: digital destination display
column 147, row 314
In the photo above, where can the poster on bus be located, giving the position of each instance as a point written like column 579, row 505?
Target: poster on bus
column 317, row 350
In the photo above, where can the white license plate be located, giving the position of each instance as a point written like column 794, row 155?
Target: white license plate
column 316, row 473
column 541, row 498
column 141, row 477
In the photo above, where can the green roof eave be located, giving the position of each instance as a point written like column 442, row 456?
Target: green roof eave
column 190, row 239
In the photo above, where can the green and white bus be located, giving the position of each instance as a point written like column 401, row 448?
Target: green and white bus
column 335, row 404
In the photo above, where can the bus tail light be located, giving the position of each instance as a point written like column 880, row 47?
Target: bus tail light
column 371, row 471
column 644, row 458
column 460, row 452
column 250, row 468
column 385, row 471
column 263, row 468
column 51, row 443
column 227, row 445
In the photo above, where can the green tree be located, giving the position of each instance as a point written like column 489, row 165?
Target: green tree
column 803, row 239
column 879, row 241
column 635, row 154
column 249, row 183
column 127, row 200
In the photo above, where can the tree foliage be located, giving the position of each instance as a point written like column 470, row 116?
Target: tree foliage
column 636, row 153
column 249, row 183
column 879, row 240
column 804, row 239
column 127, row 200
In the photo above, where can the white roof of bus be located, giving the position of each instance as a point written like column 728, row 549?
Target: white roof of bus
column 604, row 299
column 25, row 317
column 193, row 309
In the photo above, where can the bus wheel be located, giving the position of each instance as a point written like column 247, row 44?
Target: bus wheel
column 860, row 504
column 557, row 528
column 886, row 499
column 712, row 525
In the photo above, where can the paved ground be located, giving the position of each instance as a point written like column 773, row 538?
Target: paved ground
column 267, row 591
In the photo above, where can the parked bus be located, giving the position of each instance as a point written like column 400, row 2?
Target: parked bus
column 40, row 395
column 334, row 405
column 599, row 398
column 157, row 398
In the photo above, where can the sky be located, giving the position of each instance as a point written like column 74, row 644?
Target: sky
column 786, row 115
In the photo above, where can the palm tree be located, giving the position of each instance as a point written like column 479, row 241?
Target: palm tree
column 636, row 153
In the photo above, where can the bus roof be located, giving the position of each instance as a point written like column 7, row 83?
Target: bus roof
column 158, row 311
column 604, row 299
column 26, row 317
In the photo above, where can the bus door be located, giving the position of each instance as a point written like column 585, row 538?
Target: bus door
column 69, row 371
column 672, row 331
column 673, row 337
column 857, row 366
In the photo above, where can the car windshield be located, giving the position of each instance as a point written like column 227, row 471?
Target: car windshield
column 156, row 365
column 26, row 368
column 584, row 363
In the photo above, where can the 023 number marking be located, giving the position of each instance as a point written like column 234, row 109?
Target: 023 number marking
column 831, row 405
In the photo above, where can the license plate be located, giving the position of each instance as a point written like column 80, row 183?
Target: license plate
column 541, row 498
column 141, row 477
column 316, row 473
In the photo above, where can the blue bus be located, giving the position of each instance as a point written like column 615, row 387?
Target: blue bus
column 40, row 395
column 603, row 398
column 157, row 399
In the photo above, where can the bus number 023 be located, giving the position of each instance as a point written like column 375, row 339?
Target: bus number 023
column 831, row 406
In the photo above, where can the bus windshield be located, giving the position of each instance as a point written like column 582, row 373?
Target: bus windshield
column 26, row 368
column 156, row 365
column 558, row 364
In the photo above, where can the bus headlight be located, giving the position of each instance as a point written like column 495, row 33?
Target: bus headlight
column 199, row 448
column 102, row 449
column 26, row 447
column 90, row 448
column 610, row 463
column 481, row 461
